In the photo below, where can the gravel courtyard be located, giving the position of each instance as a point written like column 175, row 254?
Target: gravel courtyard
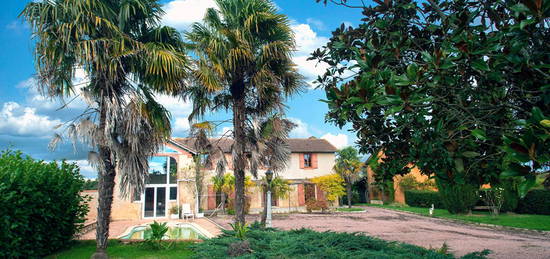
column 419, row 230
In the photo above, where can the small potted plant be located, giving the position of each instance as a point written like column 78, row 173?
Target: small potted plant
column 175, row 212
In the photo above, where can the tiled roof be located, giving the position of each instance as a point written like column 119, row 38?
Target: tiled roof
column 297, row 145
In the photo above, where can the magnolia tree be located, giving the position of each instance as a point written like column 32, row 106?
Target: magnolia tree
column 459, row 88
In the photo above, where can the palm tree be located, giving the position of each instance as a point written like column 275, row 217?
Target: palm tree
column 243, row 52
column 127, row 57
column 349, row 167
column 266, row 139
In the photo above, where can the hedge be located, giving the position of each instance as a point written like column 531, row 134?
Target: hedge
column 535, row 202
column 41, row 206
column 425, row 199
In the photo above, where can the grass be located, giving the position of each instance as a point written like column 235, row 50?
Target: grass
column 349, row 209
column 118, row 250
column 527, row 221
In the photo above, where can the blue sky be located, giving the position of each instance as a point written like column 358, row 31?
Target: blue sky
column 27, row 119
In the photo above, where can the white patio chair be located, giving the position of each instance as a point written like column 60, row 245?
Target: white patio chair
column 186, row 211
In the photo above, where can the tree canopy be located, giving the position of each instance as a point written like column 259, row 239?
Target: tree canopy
column 459, row 88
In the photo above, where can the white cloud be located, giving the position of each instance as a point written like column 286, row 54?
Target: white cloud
column 17, row 120
column 308, row 41
column 179, row 110
column 318, row 24
column 301, row 130
column 180, row 14
column 180, row 127
column 17, row 26
column 339, row 141
column 226, row 132
column 87, row 170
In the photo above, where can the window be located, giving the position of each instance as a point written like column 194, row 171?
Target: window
column 307, row 160
column 173, row 193
column 162, row 170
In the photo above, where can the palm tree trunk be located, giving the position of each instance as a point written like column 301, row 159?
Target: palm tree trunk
column 106, row 184
column 239, row 117
column 348, row 189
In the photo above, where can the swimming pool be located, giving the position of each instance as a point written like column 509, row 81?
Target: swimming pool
column 175, row 232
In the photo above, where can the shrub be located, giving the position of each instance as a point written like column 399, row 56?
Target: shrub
column 537, row 201
column 332, row 185
column 41, row 206
column 312, row 205
column 423, row 199
column 305, row 243
column 458, row 198
column 511, row 197
column 230, row 205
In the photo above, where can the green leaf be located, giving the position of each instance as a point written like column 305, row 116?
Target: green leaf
column 509, row 173
column 479, row 134
column 401, row 80
column 459, row 165
column 520, row 8
column 480, row 65
column 525, row 186
column 545, row 123
column 537, row 114
column 412, row 71
column 470, row 154
column 427, row 57
column 524, row 23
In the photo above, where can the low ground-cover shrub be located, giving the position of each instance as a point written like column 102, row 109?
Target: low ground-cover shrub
column 40, row 205
column 305, row 243
column 423, row 199
column 537, row 201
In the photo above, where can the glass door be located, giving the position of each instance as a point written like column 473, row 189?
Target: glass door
column 149, row 205
column 161, row 202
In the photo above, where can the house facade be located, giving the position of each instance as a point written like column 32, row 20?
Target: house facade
column 171, row 180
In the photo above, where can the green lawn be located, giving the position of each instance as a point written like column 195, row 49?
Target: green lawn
column 349, row 209
column 527, row 221
column 117, row 250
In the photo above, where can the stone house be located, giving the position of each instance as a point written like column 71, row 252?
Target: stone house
column 171, row 180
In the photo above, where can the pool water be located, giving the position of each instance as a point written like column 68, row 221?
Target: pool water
column 174, row 232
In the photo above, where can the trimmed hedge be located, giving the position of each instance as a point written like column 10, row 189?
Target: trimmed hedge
column 535, row 202
column 41, row 208
column 424, row 199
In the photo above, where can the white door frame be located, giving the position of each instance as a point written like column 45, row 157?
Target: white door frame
column 166, row 197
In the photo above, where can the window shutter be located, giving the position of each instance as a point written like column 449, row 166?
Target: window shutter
column 301, row 195
column 211, row 197
column 301, row 161
column 314, row 161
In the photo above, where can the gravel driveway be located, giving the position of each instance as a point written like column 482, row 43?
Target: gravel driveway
column 422, row 231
